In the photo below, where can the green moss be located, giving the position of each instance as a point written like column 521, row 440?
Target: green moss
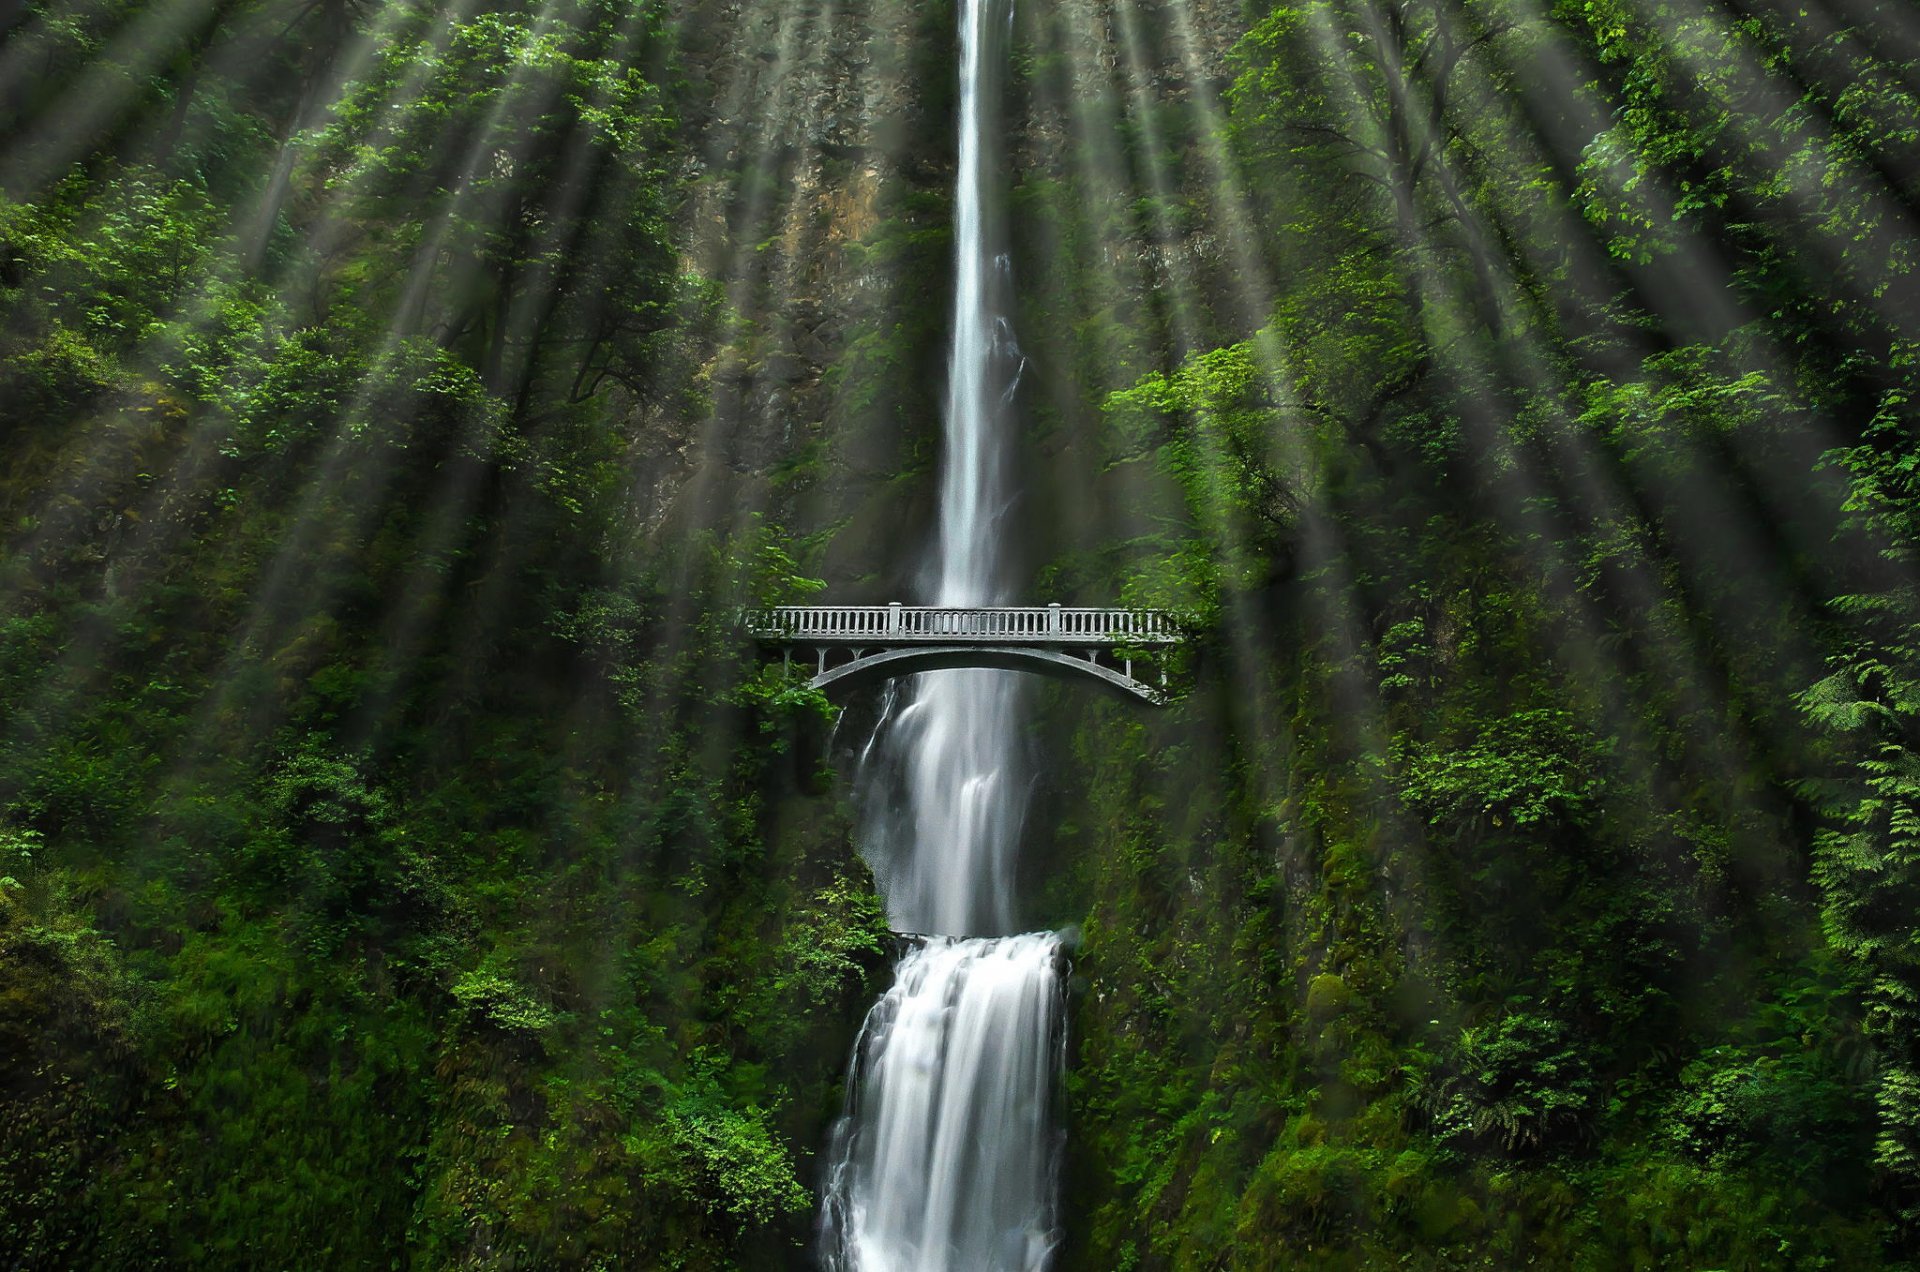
column 1327, row 997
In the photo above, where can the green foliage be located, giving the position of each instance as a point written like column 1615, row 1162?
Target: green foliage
column 1518, row 1083
column 404, row 859
column 1327, row 996
column 1219, row 429
column 738, row 1166
column 486, row 996
column 1497, row 935
column 120, row 257
column 1868, row 866
column 68, row 1066
column 1532, row 769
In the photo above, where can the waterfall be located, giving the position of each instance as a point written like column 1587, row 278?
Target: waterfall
column 945, row 1159
column 946, row 1163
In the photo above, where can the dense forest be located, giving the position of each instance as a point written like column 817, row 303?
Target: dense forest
column 405, row 860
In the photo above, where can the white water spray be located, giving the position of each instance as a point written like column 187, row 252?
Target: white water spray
column 945, row 1161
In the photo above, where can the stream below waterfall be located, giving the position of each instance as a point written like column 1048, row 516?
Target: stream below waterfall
column 946, row 1158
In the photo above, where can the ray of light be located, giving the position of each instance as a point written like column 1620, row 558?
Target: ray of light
column 285, row 572
column 1357, row 714
column 1106, row 289
column 728, row 251
column 1518, row 496
column 1522, row 494
column 155, row 532
column 290, row 572
column 1359, row 720
column 109, row 86
column 1732, row 72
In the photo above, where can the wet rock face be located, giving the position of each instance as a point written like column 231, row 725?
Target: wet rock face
column 1124, row 207
column 1121, row 99
column 820, row 158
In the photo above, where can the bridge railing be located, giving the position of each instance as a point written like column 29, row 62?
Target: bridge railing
column 1015, row 624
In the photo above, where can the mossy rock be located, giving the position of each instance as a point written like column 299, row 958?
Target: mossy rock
column 1327, row 997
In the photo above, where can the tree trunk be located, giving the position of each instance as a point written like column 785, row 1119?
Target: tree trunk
column 186, row 87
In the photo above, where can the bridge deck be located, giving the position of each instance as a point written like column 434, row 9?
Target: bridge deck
column 1031, row 625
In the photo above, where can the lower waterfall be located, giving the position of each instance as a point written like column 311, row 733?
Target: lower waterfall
column 946, row 1160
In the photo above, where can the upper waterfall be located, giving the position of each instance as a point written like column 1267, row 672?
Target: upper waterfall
column 944, row 835
column 984, row 365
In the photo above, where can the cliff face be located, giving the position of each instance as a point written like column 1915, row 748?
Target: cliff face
column 822, row 138
column 1122, row 209
column 818, row 185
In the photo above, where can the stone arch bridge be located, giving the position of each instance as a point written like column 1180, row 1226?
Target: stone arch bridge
column 852, row 645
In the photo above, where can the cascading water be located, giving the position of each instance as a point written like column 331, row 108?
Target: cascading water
column 945, row 1162
column 945, row 1159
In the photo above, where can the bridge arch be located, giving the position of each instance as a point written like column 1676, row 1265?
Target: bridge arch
column 867, row 669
